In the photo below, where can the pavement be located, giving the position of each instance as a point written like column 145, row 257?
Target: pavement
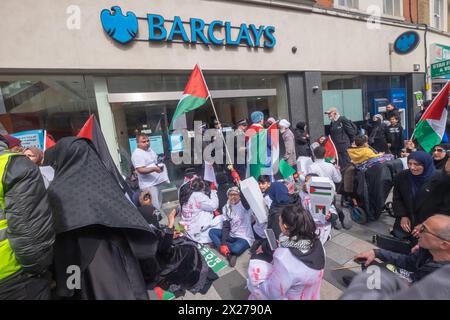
column 340, row 250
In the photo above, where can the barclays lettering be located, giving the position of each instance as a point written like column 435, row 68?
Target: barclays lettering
column 124, row 28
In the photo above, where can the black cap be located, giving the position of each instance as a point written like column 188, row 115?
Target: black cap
column 242, row 122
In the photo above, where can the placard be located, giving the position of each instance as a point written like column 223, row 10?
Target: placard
column 255, row 199
column 32, row 138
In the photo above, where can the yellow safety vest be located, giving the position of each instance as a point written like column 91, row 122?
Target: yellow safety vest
column 8, row 262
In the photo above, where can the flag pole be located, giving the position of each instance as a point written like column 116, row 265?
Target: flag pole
column 215, row 113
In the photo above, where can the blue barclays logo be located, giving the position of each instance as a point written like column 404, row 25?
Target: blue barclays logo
column 124, row 29
column 406, row 42
column 121, row 28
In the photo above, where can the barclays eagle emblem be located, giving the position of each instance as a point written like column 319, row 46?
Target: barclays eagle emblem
column 406, row 42
column 121, row 28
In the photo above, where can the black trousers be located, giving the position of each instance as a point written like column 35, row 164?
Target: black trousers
column 26, row 287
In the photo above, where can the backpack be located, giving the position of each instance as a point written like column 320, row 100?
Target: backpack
column 354, row 131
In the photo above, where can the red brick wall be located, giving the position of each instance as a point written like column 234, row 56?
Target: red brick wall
column 406, row 12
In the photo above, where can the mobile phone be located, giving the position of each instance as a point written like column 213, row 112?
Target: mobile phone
column 270, row 235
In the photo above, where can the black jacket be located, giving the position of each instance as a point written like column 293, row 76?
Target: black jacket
column 420, row 263
column 394, row 136
column 301, row 143
column 377, row 137
column 342, row 133
column 430, row 199
column 30, row 222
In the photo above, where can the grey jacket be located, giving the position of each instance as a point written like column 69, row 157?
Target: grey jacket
column 289, row 144
column 435, row 286
column 30, row 222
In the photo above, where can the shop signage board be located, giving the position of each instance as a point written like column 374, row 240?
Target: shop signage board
column 406, row 42
column 440, row 69
column 123, row 28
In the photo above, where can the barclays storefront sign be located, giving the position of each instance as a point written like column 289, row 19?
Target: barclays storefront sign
column 124, row 29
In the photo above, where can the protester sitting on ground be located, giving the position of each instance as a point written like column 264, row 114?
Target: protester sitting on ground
column 394, row 136
column 279, row 194
column 15, row 144
column 197, row 210
column 323, row 222
column 298, row 263
column 324, row 169
column 413, row 194
column 362, row 152
column 440, row 156
column 433, row 252
column 97, row 227
column 37, row 157
column 236, row 236
column 177, row 265
column 146, row 208
column 264, row 183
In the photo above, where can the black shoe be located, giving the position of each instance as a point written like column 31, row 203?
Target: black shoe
column 231, row 260
column 346, row 225
column 336, row 226
column 347, row 280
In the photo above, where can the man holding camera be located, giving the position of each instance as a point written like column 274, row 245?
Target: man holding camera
column 151, row 175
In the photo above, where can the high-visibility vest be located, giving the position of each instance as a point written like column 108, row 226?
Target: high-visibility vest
column 8, row 262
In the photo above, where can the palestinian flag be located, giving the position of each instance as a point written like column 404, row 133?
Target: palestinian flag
column 274, row 143
column 91, row 131
column 321, row 191
column 48, row 141
column 331, row 154
column 159, row 294
column 194, row 96
column 431, row 127
column 286, row 170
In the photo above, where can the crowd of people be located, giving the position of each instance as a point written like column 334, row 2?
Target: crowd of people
column 64, row 212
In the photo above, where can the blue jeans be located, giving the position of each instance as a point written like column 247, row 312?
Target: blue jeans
column 236, row 245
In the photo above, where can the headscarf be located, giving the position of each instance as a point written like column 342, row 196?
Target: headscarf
column 37, row 153
column 278, row 193
column 284, row 123
column 257, row 116
column 12, row 141
column 426, row 161
column 301, row 125
column 440, row 164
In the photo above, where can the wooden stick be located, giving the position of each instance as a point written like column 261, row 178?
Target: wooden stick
column 348, row 267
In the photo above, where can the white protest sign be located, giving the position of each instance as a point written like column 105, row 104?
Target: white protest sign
column 255, row 199
column 321, row 191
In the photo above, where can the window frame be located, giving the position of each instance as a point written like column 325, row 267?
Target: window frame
column 442, row 15
column 400, row 15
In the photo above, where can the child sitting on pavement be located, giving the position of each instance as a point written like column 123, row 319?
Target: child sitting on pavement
column 236, row 234
column 323, row 222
